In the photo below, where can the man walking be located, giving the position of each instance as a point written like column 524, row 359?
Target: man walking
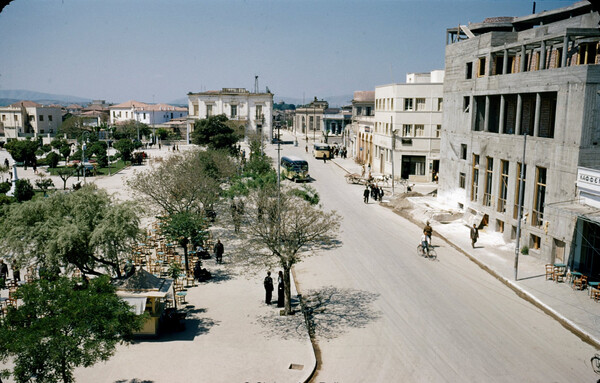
column 268, row 288
column 474, row 235
column 219, row 251
column 366, row 195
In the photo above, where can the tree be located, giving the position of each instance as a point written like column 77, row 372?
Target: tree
column 62, row 146
column 84, row 230
column 64, row 174
column 72, row 127
column 23, row 190
column 52, row 159
column 22, row 151
column 129, row 129
column 184, row 228
column 99, row 148
column 125, row 147
column 214, row 133
column 61, row 325
column 189, row 182
column 44, row 184
column 288, row 228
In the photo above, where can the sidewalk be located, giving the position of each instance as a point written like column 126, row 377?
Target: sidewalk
column 572, row 308
column 231, row 335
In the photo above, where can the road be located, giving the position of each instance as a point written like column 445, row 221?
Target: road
column 387, row 315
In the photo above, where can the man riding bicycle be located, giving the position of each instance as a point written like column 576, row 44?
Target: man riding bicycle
column 425, row 242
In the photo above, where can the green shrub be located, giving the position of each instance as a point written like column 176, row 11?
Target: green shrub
column 525, row 250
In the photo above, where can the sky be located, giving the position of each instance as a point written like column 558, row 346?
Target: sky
column 158, row 51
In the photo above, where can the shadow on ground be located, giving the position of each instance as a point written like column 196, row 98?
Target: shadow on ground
column 329, row 312
column 195, row 325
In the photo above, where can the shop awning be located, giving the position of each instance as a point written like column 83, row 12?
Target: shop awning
column 138, row 304
column 579, row 210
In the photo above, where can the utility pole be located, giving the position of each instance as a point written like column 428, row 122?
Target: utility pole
column 520, row 214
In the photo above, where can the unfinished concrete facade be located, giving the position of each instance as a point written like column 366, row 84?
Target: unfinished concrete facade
column 538, row 76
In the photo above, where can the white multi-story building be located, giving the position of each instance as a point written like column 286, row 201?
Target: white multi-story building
column 29, row 119
column 407, row 128
column 149, row 114
column 359, row 135
column 253, row 110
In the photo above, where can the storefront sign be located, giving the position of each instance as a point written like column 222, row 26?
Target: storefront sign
column 588, row 179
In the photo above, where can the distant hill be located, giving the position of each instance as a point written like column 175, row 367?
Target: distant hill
column 8, row 97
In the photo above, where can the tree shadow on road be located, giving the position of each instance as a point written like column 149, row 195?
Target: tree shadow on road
column 329, row 312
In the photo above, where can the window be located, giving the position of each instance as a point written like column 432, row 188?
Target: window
column 126, row 114
column 194, row 109
column 469, row 71
column 311, row 123
column 4, row 117
column 462, row 177
column 540, row 197
column 358, row 110
column 440, row 104
column 234, row 111
column 407, row 130
column 391, row 103
column 481, row 67
column 209, row 110
column 408, row 104
column 420, row 104
column 31, row 118
column 438, row 131
column 466, row 103
column 527, row 113
column 259, row 112
column 414, row 165
column 463, row 151
column 535, row 242
column 368, row 111
column 144, row 116
column 518, row 188
column 498, row 64
column 479, row 122
column 475, row 178
column 587, row 53
column 503, row 188
column 41, row 117
column 16, row 117
column 419, row 130
column 547, row 114
column 489, row 175
column 499, row 226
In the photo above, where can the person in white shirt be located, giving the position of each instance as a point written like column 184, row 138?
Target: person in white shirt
column 425, row 241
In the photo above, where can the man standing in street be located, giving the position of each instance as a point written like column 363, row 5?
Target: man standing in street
column 474, row 235
column 219, row 251
column 366, row 195
column 268, row 288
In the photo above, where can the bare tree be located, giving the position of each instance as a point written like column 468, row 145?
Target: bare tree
column 288, row 229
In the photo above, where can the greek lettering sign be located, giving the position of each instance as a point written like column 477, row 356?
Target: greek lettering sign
column 588, row 179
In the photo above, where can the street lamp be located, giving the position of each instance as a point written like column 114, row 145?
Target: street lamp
column 393, row 149
column 83, row 141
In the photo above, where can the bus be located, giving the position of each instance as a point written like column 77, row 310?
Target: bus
column 321, row 151
column 294, row 168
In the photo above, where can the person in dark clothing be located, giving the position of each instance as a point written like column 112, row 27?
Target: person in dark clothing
column 268, row 288
column 219, row 251
column 16, row 272
column 474, row 235
column 3, row 273
column 280, row 289
column 366, row 195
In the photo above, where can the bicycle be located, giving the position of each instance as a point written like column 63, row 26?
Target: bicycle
column 596, row 363
column 431, row 254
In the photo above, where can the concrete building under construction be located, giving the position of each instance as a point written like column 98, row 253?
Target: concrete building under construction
column 535, row 76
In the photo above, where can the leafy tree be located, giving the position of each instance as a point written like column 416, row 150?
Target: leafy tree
column 214, row 133
column 99, row 149
column 62, row 146
column 4, row 187
column 288, row 228
column 174, row 271
column 125, row 147
column 184, row 228
column 61, row 325
column 129, row 129
column 162, row 133
column 23, row 190
column 72, row 127
column 84, row 230
column 22, row 151
column 44, row 184
column 52, row 159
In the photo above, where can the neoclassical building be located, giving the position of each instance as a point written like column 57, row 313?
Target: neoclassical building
column 29, row 119
column 253, row 110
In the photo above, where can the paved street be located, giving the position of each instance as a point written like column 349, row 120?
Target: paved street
column 421, row 320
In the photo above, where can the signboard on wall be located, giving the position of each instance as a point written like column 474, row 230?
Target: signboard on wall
column 588, row 179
